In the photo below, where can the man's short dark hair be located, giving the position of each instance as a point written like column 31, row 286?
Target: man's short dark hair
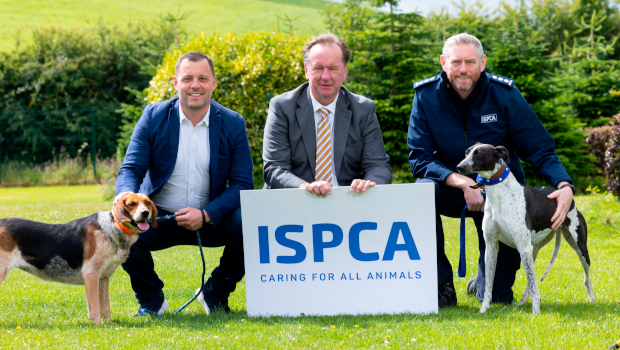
column 327, row 39
column 193, row 56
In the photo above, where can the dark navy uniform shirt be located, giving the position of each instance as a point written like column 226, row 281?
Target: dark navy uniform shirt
column 440, row 130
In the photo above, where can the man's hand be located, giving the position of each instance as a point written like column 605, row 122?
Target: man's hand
column 320, row 188
column 359, row 185
column 119, row 197
column 192, row 220
column 564, row 198
column 473, row 197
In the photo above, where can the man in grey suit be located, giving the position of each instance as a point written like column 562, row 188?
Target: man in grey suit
column 320, row 135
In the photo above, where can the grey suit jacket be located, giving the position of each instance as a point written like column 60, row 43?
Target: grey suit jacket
column 289, row 141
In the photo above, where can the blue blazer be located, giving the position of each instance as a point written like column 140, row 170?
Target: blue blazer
column 152, row 154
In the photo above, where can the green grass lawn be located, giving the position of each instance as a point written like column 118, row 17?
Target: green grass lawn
column 206, row 15
column 37, row 314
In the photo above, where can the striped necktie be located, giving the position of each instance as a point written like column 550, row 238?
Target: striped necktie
column 323, row 170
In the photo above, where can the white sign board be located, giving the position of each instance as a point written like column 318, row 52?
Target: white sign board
column 348, row 253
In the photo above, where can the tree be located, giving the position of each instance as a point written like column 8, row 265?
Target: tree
column 585, row 75
column 519, row 52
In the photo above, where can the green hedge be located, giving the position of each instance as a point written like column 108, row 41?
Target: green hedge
column 50, row 88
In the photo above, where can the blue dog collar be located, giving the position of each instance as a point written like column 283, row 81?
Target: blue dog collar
column 489, row 182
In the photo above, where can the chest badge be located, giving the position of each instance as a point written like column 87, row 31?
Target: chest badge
column 489, row 118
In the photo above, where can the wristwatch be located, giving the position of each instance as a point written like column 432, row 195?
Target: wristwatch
column 569, row 185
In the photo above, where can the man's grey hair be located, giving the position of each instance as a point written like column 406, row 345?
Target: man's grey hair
column 327, row 39
column 193, row 56
column 462, row 38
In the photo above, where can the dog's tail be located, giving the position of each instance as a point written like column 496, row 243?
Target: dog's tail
column 556, row 250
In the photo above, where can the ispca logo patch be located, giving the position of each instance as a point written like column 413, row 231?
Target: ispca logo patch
column 490, row 118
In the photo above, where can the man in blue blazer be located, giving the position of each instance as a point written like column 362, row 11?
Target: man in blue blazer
column 191, row 156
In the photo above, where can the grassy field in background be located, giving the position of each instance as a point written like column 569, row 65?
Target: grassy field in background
column 206, row 15
column 35, row 314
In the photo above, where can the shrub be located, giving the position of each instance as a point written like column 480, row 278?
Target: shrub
column 251, row 68
column 612, row 157
column 47, row 89
column 597, row 139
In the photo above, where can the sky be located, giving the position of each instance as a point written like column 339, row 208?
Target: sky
column 426, row 6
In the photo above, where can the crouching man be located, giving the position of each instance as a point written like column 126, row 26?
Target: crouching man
column 192, row 157
column 451, row 112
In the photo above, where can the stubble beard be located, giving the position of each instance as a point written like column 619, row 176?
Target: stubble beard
column 459, row 87
column 185, row 100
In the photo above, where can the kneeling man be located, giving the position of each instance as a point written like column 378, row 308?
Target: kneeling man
column 192, row 157
column 451, row 112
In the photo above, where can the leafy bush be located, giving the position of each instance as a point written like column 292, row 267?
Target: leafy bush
column 251, row 68
column 48, row 88
column 612, row 157
column 597, row 139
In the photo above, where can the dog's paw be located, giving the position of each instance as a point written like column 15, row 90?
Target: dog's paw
column 484, row 308
column 523, row 300
column 535, row 306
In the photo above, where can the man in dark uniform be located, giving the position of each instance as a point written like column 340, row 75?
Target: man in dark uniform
column 451, row 112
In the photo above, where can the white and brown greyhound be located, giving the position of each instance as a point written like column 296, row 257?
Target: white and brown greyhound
column 520, row 217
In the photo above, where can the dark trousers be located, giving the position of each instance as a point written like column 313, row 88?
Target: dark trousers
column 224, row 278
column 450, row 201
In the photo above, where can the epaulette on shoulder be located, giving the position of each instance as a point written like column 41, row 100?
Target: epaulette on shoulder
column 501, row 80
column 425, row 81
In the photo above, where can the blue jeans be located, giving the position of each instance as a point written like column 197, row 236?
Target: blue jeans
column 450, row 201
column 223, row 281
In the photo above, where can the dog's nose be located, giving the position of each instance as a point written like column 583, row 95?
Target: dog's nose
column 144, row 213
column 460, row 169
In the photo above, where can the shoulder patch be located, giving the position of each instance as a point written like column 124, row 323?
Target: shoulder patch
column 501, row 80
column 425, row 81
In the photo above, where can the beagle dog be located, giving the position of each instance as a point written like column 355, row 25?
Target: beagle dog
column 83, row 251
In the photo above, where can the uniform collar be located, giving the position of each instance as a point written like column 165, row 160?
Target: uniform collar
column 447, row 85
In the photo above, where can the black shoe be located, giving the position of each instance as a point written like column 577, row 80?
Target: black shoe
column 154, row 305
column 472, row 286
column 210, row 302
column 446, row 295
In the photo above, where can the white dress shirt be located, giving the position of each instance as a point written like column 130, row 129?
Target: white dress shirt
column 316, row 105
column 190, row 184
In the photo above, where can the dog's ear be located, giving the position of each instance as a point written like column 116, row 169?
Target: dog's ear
column 154, row 213
column 120, row 211
column 502, row 152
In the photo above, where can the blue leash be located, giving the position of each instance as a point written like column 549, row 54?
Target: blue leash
column 462, row 262
column 172, row 216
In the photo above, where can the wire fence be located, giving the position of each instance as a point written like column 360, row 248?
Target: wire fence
column 35, row 137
